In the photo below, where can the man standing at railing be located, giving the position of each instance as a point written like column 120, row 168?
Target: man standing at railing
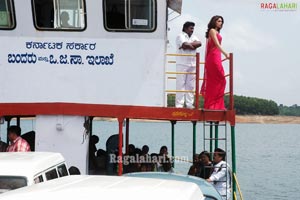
column 186, row 43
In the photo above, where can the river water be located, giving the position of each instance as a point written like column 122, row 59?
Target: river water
column 267, row 155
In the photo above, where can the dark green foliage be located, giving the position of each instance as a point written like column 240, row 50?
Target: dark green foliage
column 243, row 105
column 293, row 110
column 254, row 106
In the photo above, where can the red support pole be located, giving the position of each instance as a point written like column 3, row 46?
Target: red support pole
column 120, row 150
column 197, row 80
column 231, row 101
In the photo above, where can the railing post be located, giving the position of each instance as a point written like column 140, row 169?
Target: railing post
column 233, row 158
column 231, row 103
column 194, row 137
column 197, row 80
column 173, row 140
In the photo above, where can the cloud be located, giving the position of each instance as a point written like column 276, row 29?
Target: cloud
column 244, row 36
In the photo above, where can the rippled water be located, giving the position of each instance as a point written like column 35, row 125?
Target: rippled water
column 268, row 156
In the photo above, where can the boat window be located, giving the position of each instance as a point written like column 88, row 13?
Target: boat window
column 59, row 14
column 38, row 179
column 52, row 174
column 62, row 170
column 130, row 15
column 7, row 17
column 11, row 182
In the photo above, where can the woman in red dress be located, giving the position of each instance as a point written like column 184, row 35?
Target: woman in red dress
column 214, row 83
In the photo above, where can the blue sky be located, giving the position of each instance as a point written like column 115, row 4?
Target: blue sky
column 265, row 44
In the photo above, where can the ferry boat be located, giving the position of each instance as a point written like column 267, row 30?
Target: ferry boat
column 65, row 62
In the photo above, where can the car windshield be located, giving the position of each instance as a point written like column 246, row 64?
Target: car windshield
column 11, row 182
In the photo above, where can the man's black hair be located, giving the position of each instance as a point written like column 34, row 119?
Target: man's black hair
column 14, row 129
column 187, row 24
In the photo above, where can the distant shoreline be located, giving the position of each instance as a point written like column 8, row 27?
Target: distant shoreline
column 255, row 119
column 261, row 119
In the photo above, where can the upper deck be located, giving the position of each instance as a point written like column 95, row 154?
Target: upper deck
column 95, row 66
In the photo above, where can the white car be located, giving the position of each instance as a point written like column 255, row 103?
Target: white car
column 81, row 187
column 19, row 169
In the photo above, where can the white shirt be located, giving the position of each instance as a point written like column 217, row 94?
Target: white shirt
column 185, row 60
column 219, row 177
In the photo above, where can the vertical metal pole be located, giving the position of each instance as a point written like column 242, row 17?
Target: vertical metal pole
column 194, row 137
column 233, row 165
column 127, row 135
column 197, row 80
column 211, row 136
column 18, row 122
column 120, row 151
column 173, row 140
column 231, row 102
column 216, row 134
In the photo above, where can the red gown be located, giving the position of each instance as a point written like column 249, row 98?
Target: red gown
column 214, row 83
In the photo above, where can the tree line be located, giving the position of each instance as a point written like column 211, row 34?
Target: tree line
column 252, row 106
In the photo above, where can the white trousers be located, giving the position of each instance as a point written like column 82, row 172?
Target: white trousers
column 185, row 82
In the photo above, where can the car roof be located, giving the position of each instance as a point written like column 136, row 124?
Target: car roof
column 206, row 188
column 28, row 164
column 81, row 187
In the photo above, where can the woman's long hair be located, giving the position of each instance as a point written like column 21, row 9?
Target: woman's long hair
column 212, row 24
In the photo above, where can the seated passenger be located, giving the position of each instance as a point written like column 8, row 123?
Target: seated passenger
column 206, row 165
column 17, row 144
column 195, row 168
column 64, row 20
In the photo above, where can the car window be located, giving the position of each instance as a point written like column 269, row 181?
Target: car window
column 52, row 174
column 38, row 179
column 11, row 182
column 62, row 170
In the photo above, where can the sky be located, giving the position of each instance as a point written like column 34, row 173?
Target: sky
column 264, row 42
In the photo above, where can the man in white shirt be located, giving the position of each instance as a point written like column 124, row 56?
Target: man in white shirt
column 220, row 176
column 186, row 43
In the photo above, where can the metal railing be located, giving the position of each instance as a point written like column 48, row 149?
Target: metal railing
column 197, row 74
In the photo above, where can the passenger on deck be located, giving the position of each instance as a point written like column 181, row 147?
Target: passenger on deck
column 195, row 168
column 186, row 43
column 145, row 157
column 206, row 166
column 214, row 83
column 17, row 144
column 165, row 163
column 155, row 161
column 145, row 150
column 130, row 165
column 92, row 152
column 220, row 176
column 101, row 158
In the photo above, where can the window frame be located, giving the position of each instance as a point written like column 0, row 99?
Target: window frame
column 34, row 17
column 50, row 171
column 12, row 15
column 154, row 13
column 65, row 171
